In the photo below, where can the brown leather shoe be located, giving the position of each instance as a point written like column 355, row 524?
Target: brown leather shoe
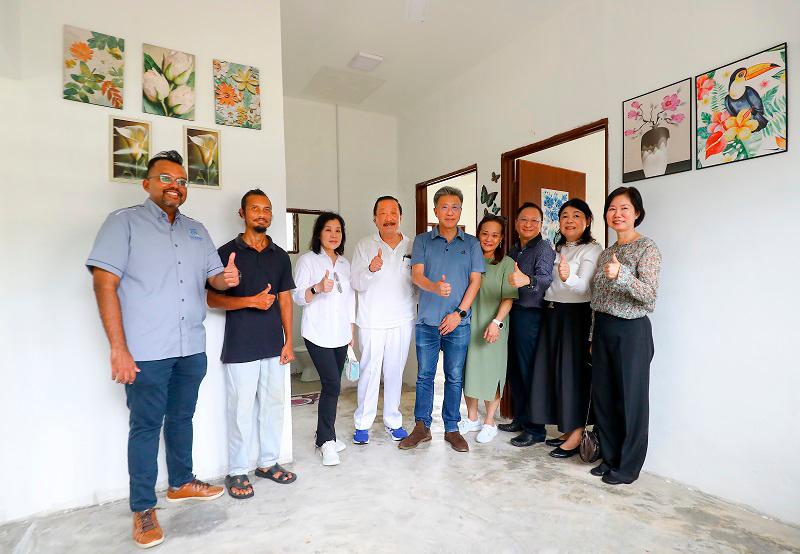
column 194, row 490
column 146, row 530
column 418, row 435
column 456, row 441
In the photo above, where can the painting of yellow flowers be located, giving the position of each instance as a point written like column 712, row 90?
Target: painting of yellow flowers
column 201, row 152
column 168, row 82
column 237, row 95
column 130, row 149
column 93, row 65
column 742, row 109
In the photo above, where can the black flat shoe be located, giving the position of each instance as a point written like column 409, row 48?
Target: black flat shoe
column 609, row 479
column 525, row 439
column 561, row 453
column 554, row 442
column 512, row 427
column 600, row 470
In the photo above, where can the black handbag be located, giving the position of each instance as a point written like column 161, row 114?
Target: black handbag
column 590, row 443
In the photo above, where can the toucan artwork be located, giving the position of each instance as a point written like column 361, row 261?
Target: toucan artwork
column 741, row 109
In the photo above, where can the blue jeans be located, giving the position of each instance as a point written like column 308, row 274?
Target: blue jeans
column 165, row 391
column 454, row 346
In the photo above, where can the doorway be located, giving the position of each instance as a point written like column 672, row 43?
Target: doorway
column 573, row 164
column 466, row 180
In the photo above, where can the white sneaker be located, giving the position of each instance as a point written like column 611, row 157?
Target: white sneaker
column 466, row 425
column 340, row 445
column 488, row 432
column 328, row 453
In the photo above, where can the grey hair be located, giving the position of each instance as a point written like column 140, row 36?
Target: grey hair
column 447, row 191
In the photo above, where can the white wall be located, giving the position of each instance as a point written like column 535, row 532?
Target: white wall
column 587, row 155
column 725, row 377
column 64, row 422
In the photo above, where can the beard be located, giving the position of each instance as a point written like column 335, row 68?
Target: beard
column 260, row 230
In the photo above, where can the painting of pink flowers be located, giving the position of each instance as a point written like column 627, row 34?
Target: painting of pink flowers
column 742, row 109
column 657, row 133
column 168, row 82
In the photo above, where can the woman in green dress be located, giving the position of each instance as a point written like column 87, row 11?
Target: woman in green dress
column 485, row 370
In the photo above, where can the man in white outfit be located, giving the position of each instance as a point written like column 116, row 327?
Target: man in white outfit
column 381, row 275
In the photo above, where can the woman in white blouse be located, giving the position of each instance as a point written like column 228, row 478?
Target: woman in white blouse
column 561, row 371
column 322, row 278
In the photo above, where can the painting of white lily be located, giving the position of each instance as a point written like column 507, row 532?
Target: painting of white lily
column 168, row 82
column 130, row 149
column 237, row 95
column 201, row 152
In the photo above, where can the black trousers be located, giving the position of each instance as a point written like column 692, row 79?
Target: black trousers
column 523, row 338
column 622, row 350
column 329, row 363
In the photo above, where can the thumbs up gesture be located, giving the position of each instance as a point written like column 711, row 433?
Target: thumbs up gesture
column 443, row 287
column 611, row 269
column 517, row 278
column 326, row 285
column 563, row 269
column 377, row 262
column 264, row 300
column 231, row 273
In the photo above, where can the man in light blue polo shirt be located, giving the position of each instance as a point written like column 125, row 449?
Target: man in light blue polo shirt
column 446, row 266
column 150, row 264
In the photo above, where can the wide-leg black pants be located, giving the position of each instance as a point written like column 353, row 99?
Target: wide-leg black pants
column 622, row 350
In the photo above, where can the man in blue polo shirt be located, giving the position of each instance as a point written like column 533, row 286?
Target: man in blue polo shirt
column 446, row 266
column 150, row 264
column 257, row 346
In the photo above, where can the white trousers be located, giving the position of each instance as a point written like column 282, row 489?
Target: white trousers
column 385, row 349
column 254, row 386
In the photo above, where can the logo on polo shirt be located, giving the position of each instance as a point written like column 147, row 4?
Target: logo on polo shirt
column 195, row 234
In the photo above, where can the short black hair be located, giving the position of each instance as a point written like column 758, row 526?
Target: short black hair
column 499, row 252
column 527, row 205
column 636, row 199
column 582, row 206
column 253, row 192
column 381, row 199
column 169, row 155
column 319, row 225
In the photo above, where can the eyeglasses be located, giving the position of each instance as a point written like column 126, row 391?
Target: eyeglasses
column 525, row 221
column 338, row 284
column 167, row 179
column 448, row 207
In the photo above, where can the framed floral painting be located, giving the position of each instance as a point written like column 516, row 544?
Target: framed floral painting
column 168, row 82
column 552, row 201
column 129, row 150
column 657, row 136
column 94, row 66
column 237, row 95
column 201, row 152
column 742, row 109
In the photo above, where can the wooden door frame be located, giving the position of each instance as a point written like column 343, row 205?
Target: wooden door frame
column 421, row 195
column 509, row 189
column 295, row 246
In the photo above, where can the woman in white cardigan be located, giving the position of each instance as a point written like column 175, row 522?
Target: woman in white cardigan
column 322, row 278
column 562, row 371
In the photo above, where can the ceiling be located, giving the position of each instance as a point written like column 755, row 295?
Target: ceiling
column 321, row 36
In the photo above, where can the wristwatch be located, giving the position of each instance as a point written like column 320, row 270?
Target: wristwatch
column 313, row 290
column 499, row 323
column 461, row 313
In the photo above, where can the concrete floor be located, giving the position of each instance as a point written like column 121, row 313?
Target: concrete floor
column 496, row 498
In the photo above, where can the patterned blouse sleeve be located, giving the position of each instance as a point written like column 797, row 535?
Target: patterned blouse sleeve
column 644, row 285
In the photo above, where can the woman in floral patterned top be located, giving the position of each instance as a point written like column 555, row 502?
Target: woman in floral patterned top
column 623, row 293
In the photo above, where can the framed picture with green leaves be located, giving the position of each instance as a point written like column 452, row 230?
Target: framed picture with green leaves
column 94, row 67
column 742, row 109
column 168, row 82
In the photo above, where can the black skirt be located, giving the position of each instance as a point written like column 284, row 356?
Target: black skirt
column 562, row 373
